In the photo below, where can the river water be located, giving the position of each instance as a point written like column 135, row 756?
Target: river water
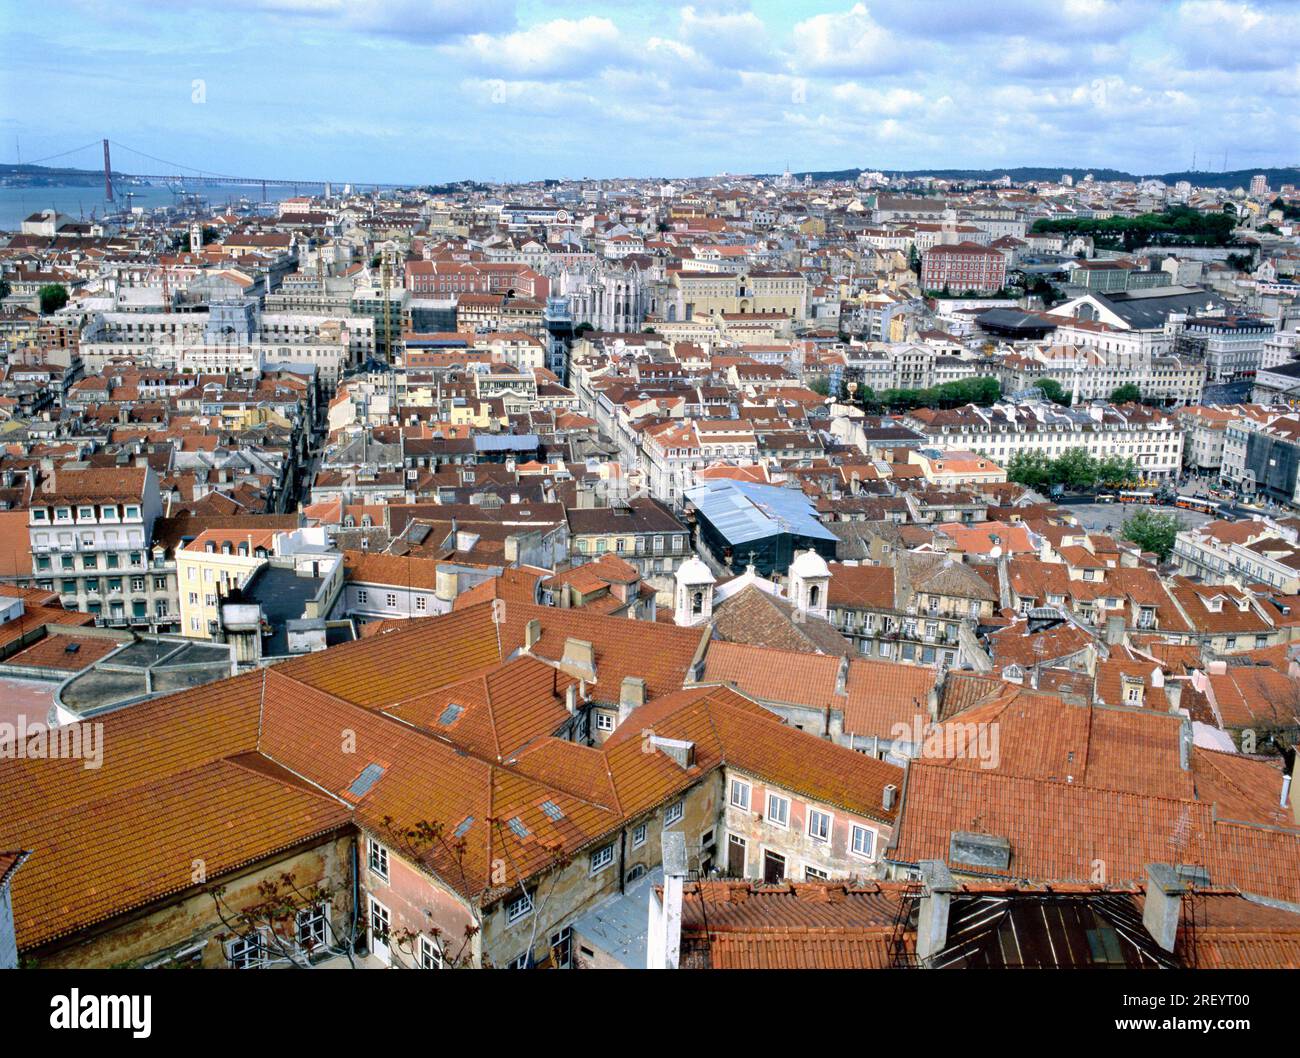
column 18, row 203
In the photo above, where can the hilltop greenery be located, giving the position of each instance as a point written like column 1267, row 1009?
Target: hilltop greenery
column 1178, row 226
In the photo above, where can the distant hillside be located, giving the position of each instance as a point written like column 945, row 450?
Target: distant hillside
column 1042, row 174
column 12, row 175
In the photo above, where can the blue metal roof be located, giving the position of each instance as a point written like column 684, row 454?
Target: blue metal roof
column 505, row 442
column 743, row 511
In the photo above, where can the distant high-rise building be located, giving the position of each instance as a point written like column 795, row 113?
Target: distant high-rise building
column 1258, row 185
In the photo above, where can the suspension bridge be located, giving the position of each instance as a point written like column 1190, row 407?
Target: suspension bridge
column 176, row 174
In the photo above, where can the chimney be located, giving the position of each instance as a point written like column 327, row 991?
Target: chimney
column 1114, row 630
column 532, row 633
column 664, row 933
column 890, row 796
column 631, row 695
column 1295, row 802
column 681, row 751
column 571, row 698
column 1164, row 904
column 579, row 659
column 936, row 901
column 1174, row 692
column 1185, row 744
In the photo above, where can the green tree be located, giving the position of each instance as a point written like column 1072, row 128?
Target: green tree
column 1074, row 468
column 5, row 288
column 53, row 297
column 1115, row 471
column 1031, row 469
column 1288, row 211
column 1126, row 394
column 1053, row 391
column 1152, row 531
column 821, row 385
column 210, row 235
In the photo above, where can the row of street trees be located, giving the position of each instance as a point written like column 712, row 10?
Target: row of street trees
column 1075, row 468
column 1058, row 394
column 982, row 391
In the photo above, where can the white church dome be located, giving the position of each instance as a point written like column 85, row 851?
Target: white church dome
column 809, row 565
column 694, row 571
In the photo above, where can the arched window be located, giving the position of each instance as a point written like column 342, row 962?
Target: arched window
column 814, row 595
column 697, row 602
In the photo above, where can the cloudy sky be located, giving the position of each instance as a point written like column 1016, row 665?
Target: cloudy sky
column 426, row 90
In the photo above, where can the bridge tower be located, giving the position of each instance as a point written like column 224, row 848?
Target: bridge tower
column 108, row 175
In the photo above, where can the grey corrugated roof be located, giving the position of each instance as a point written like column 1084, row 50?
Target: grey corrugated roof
column 1146, row 309
column 743, row 511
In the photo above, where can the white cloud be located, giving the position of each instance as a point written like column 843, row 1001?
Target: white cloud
column 1236, row 36
column 849, row 42
column 892, row 101
column 736, row 39
column 561, row 47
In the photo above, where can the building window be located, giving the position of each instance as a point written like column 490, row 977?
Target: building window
column 674, row 812
column 391, row 599
column 602, row 858
column 604, row 721
column 310, row 924
column 519, row 962
column 863, row 842
column 812, row 874
column 378, row 860
column 778, row 810
column 430, row 958
column 819, row 825
column 245, row 953
column 740, row 794
column 421, row 602
column 562, row 949
column 518, row 908
column 638, row 836
column 362, row 596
